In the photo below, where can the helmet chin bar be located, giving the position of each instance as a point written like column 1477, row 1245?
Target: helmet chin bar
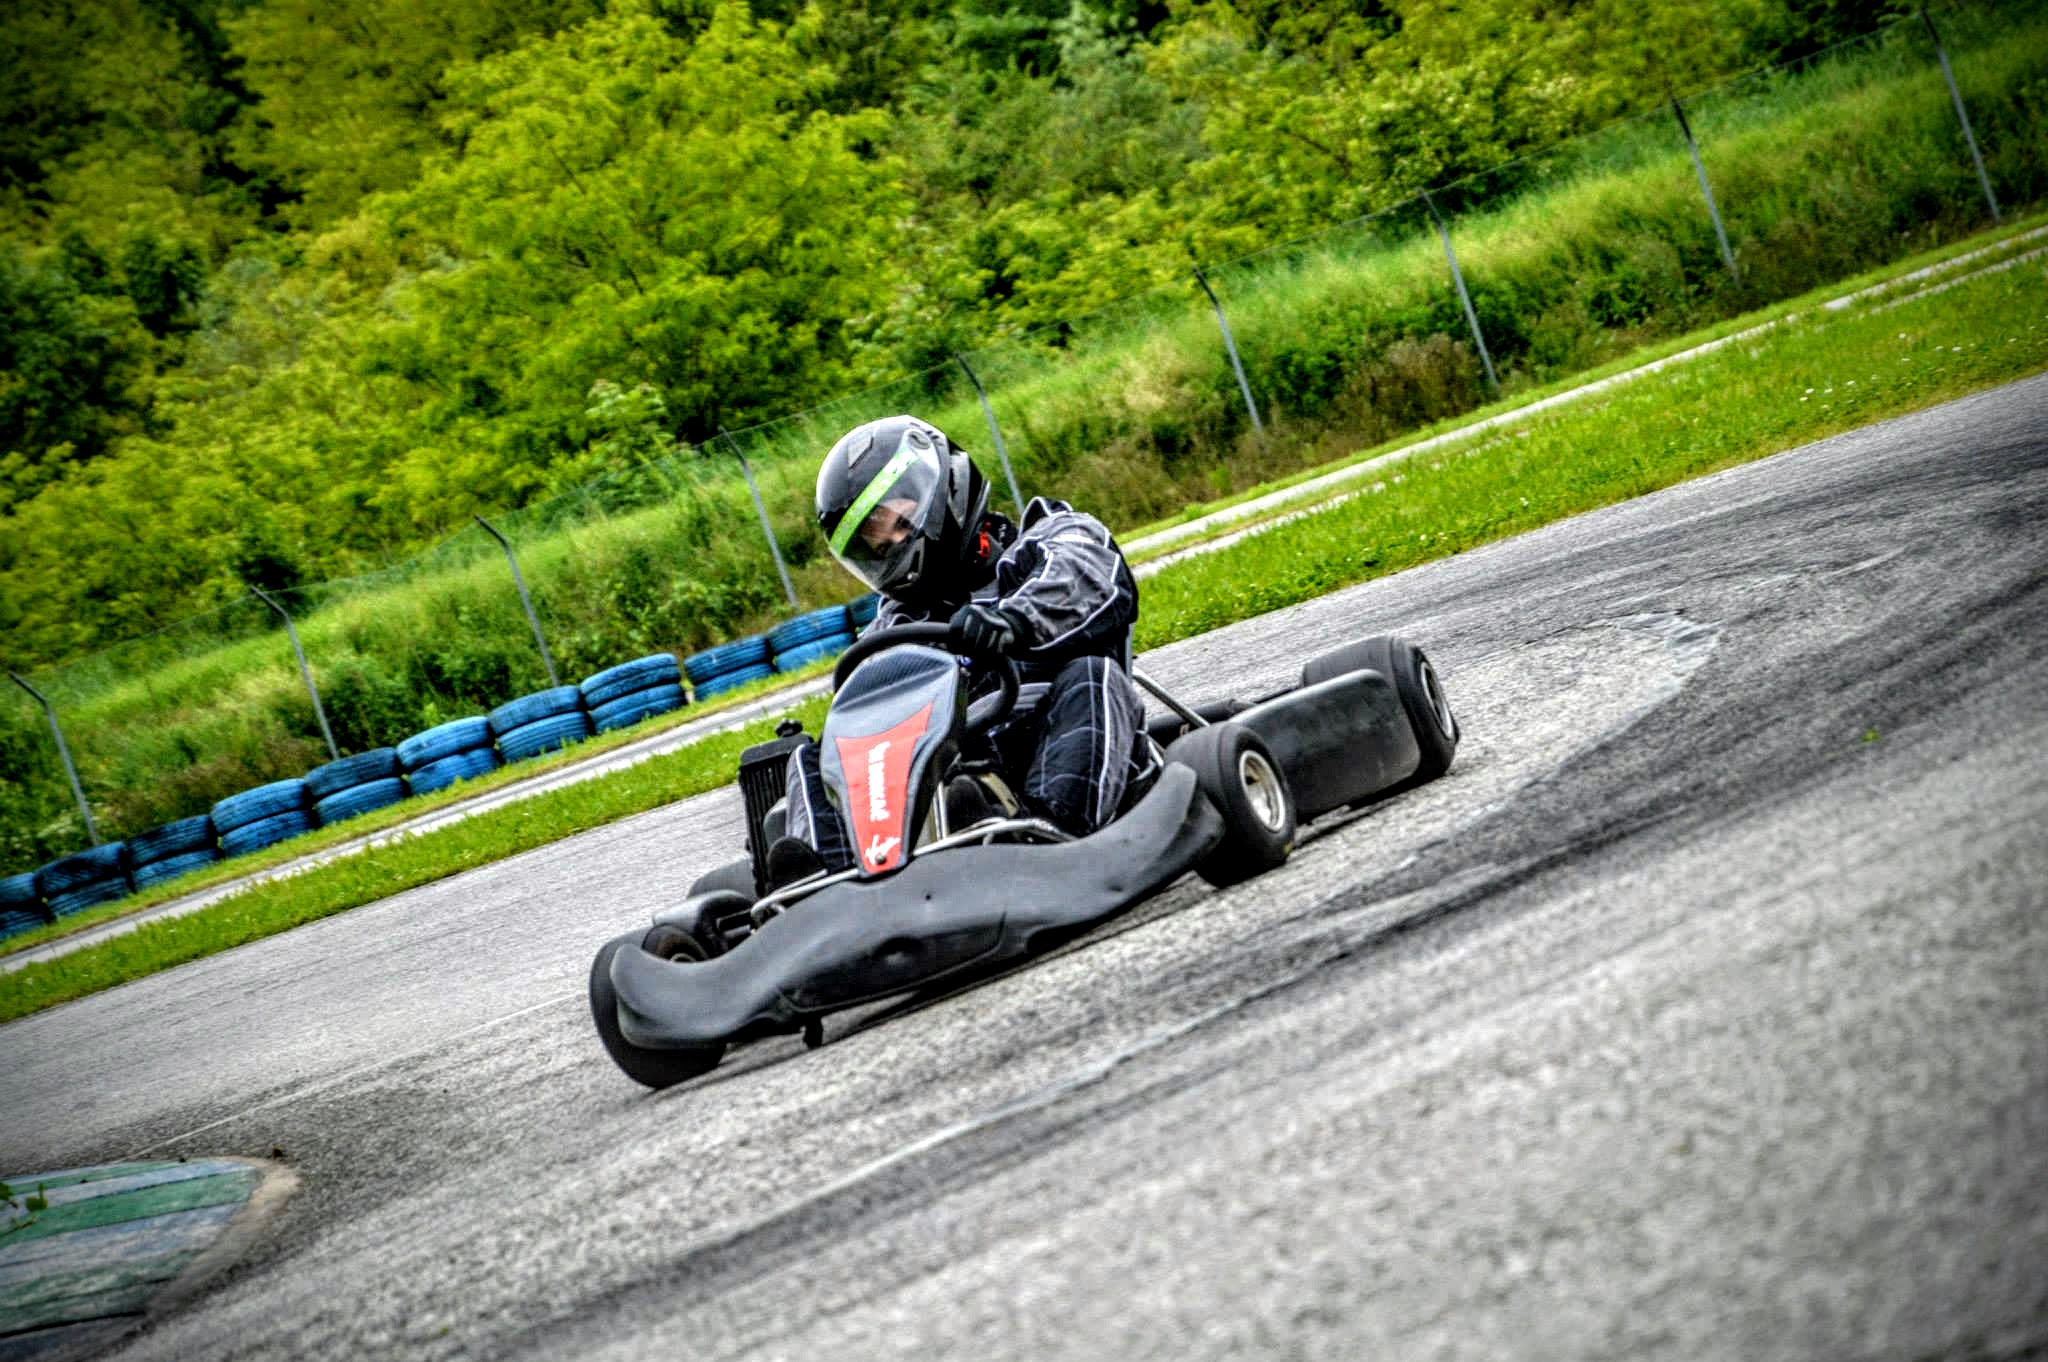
column 905, row 582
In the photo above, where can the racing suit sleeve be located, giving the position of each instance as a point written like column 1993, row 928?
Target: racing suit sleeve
column 1065, row 581
column 892, row 613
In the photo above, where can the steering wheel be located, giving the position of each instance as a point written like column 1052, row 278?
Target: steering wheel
column 868, row 645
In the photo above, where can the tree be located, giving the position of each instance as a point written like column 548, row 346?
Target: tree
column 73, row 372
column 626, row 205
column 352, row 91
column 1319, row 112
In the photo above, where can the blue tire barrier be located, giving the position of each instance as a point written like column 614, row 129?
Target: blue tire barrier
column 252, row 806
column 725, row 659
column 379, row 763
column 634, row 706
column 15, row 921
column 529, row 709
column 265, row 832
column 438, row 775
column 170, row 867
column 808, row 627
column 544, row 735
column 89, row 896
column 811, row 652
column 718, row 685
column 19, row 891
column 359, row 799
column 861, row 610
column 181, row 838
column 441, row 741
column 642, row 673
column 19, row 900
column 68, row 874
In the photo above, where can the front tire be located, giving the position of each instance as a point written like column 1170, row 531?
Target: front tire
column 651, row 1068
column 1236, row 773
column 735, row 877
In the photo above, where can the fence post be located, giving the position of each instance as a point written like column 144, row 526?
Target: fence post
column 524, row 599
column 767, row 530
column 292, row 632
column 1464, row 298
column 64, row 755
column 995, row 432
column 1700, row 169
column 1956, row 97
column 1230, row 344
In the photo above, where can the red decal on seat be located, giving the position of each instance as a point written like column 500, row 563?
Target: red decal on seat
column 877, row 770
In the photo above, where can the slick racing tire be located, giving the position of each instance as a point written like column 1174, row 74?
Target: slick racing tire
column 1239, row 776
column 650, row 1068
column 1415, row 681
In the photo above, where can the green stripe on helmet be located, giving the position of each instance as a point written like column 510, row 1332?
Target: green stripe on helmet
column 857, row 514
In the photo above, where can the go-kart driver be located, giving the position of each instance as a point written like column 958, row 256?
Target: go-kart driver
column 907, row 513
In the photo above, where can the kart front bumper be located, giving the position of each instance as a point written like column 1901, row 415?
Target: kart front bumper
column 957, row 910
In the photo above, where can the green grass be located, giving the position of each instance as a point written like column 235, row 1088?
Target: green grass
column 273, row 906
column 2007, row 241
column 1815, row 376
column 1809, row 378
column 382, row 820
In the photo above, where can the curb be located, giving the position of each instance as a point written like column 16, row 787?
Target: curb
column 118, row 1243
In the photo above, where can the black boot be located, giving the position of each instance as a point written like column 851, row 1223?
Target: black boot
column 791, row 859
column 968, row 802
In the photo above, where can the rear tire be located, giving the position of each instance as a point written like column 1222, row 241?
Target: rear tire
column 1238, row 775
column 651, row 1068
column 1415, row 681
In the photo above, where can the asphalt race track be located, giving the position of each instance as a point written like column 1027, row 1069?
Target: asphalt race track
column 1701, row 1011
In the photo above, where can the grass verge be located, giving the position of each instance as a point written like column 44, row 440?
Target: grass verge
column 278, row 905
column 1815, row 376
column 2016, row 237
column 395, row 815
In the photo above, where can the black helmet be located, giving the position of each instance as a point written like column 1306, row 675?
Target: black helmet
column 902, row 508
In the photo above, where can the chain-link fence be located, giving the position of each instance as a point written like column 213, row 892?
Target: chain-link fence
column 1718, row 201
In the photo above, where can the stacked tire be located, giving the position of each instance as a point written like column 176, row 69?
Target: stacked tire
column 21, row 907
column 810, row 637
column 164, row 853
column 632, row 691
column 355, row 785
column 721, row 669
column 439, row 756
column 262, row 817
column 861, row 611
column 540, row 722
column 70, row 884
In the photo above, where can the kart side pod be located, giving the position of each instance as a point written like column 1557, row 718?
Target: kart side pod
column 1340, row 741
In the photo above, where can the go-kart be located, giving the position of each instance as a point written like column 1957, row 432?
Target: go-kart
column 929, row 904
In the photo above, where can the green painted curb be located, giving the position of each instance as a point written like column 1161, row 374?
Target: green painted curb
column 82, row 1249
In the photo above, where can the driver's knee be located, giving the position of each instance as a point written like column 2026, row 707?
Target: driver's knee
column 811, row 818
column 1085, row 756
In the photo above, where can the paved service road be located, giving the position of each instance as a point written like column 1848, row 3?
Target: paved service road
column 1701, row 1011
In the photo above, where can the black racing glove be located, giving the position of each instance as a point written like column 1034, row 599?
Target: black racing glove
column 979, row 629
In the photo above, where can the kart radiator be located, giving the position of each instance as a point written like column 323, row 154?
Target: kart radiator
column 762, row 768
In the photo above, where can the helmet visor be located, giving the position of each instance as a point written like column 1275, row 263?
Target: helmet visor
column 879, row 537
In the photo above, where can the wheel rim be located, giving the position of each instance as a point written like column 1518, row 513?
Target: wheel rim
column 1262, row 789
column 1439, row 703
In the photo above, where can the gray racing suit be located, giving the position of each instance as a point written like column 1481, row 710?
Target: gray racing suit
column 1076, row 754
